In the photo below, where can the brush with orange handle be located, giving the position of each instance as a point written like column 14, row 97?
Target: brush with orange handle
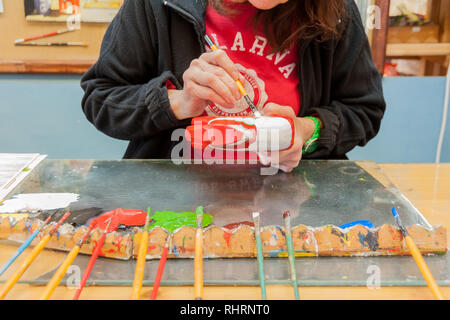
column 198, row 257
column 140, row 262
column 59, row 274
column 415, row 252
column 30, row 258
column 239, row 84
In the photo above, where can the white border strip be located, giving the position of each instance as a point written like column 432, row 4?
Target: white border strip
column 20, row 176
column 444, row 119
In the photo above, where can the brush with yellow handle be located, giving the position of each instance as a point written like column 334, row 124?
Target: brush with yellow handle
column 198, row 257
column 59, row 274
column 30, row 258
column 239, row 84
column 415, row 252
column 140, row 262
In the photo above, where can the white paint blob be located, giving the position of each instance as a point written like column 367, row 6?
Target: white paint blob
column 32, row 202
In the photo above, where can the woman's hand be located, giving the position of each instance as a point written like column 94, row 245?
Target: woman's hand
column 304, row 130
column 210, row 78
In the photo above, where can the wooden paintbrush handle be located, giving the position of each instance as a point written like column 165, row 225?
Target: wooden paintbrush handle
column 140, row 266
column 159, row 273
column 198, row 264
column 90, row 265
column 24, row 266
column 424, row 269
column 57, row 277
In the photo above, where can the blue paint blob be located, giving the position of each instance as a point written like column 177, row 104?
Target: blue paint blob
column 365, row 223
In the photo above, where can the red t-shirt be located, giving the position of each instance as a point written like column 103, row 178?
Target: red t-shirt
column 269, row 77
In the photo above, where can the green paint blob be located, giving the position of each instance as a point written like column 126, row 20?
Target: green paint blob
column 171, row 221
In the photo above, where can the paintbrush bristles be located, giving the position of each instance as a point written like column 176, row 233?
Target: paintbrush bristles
column 60, row 222
column 82, row 240
column 399, row 222
column 209, row 41
column 287, row 222
column 252, row 106
column 147, row 219
column 199, row 212
column 257, row 222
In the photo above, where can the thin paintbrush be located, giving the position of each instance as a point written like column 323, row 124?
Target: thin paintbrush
column 415, row 252
column 291, row 255
column 140, row 262
column 198, row 258
column 159, row 273
column 249, row 101
column 52, row 44
column 59, row 274
column 92, row 261
column 259, row 251
column 45, row 35
column 25, row 245
column 30, row 258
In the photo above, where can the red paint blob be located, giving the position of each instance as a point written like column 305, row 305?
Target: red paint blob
column 227, row 236
column 126, row 217
column 118, row 242
column 234, row 225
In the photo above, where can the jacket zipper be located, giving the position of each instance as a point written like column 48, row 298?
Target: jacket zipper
column 190, row 18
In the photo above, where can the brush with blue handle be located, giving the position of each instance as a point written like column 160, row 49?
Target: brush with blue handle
column 25, row 245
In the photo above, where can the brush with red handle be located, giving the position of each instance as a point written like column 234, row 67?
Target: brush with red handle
column 92, row 261
column 159, row 273
column 41, row 36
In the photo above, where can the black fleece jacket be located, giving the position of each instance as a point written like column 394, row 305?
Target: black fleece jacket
column 152, row 41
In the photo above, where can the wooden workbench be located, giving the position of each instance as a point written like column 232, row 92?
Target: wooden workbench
column 426, row 185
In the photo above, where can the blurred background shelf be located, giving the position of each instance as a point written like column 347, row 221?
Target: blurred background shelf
column 423, row 48
column 417, row 49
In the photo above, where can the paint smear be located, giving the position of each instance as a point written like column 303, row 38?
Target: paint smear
column 32, row 202
column 171, row 221
column 234, row 225
column 125, row 217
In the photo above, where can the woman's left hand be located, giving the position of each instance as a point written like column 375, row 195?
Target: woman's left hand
column 304, row 130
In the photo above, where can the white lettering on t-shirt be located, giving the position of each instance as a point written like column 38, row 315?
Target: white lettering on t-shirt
column 238, row 42
column 278, row 56
column 287, row 70
column 217, row 42
column 260, row 43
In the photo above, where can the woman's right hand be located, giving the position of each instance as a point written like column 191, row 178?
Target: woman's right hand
column 210, row 78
